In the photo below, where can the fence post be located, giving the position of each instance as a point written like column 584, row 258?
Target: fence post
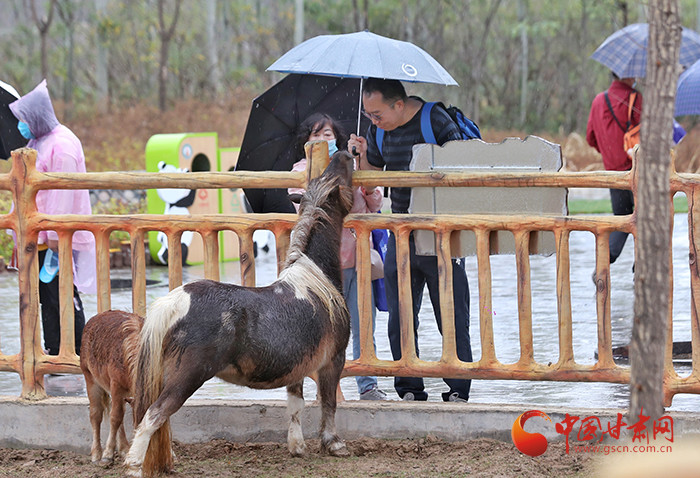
column 23, row 195
column 317, row 159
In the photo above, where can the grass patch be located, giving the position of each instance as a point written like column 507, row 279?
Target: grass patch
column 602, row 206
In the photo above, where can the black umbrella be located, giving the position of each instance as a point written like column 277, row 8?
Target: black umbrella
column 269, row 140
column 9, row 134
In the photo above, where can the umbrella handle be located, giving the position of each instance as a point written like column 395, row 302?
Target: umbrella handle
column 354, row 151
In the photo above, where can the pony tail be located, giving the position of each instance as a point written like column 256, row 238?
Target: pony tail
column 148, row 381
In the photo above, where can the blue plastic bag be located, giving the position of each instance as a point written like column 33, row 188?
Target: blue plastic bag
column 380, row 239
column 50, row 268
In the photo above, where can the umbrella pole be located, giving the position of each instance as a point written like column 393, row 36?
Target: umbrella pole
column 359, row 108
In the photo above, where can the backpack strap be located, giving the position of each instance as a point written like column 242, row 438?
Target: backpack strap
column 380, row 139
column 632, row 100
column 607, row 100
column 426, row 127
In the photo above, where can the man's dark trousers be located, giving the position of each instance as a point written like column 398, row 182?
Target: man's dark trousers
column 622, row 204
column 424, row 271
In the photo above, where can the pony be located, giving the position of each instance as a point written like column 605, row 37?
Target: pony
column 109, row 350
column 259, row 337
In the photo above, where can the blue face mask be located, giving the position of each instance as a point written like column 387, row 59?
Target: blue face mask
column 332, row 148
column 24, row 130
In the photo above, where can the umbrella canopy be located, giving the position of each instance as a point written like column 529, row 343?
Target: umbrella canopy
column 9, row 134
column 363, row 55
column 625, row 51
column 270, row 136
column 688, row 93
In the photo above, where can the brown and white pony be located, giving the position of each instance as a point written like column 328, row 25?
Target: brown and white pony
column 260, row 337
column 108, row 355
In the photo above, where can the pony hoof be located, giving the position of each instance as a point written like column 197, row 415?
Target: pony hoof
column 298, row 449
column 106, row 460
column 338, row 449
column 133, row 472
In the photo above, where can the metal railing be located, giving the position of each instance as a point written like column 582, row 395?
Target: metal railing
column 31, row 363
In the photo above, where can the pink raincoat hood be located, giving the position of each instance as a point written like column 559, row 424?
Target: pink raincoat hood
column 36, row 110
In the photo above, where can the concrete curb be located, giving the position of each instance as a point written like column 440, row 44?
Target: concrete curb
column 63, row 422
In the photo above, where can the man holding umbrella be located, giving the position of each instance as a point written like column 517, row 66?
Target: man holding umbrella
column 389, row 108
column 607, row 124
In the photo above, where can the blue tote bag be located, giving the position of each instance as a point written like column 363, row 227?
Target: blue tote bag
column 380, row 239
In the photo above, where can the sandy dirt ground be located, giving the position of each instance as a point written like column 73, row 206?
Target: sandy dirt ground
column 426, row 457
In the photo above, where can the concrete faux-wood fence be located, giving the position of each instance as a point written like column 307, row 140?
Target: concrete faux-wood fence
column 31, row 363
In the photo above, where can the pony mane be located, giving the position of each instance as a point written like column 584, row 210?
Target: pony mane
column 301, row 273
column 311, row 211
column 306, row 278
column 162, row 314
column 130, row 330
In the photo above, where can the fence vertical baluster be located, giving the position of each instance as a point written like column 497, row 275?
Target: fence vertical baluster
column 522, row 261
column 364, row 294
column 403, row 269
column 65, row 291
column 247, row 257
column 211, row 254
column 138, row 271
column 488, row 351
column 446, row 291
column 174, row 239
column 602, row 278
column 104, row 287
column 566, row 352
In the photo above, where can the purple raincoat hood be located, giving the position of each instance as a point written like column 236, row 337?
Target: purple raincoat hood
column 36, row 110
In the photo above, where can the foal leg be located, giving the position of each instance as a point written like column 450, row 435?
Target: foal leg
column 295, row 405
column 122, row 441
column 97, row 398
column 116, row 418
column 329, row 378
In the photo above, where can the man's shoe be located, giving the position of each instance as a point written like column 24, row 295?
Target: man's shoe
column 454, row 397
column 373, row 394
column 408, row 397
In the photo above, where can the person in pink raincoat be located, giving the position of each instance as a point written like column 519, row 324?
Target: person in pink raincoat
column 319, row 127
column 58, row 150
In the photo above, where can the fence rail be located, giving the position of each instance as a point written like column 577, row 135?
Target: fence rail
column 31, row 363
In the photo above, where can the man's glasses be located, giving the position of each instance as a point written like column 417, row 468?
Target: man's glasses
column 375, row 116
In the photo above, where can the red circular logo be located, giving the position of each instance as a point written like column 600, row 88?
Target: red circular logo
column 532, row 444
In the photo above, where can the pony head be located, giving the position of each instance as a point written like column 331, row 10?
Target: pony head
column 335, row 180
column 327, row 199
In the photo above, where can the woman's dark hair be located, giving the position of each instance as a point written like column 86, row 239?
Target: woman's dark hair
column 315, row 123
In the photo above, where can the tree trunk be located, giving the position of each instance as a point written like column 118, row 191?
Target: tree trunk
column 166, row 35
column 522, row 20
column 624, row 10
column 43, row 24
column 213, row 50
column 298, row 21
column 653, row 242
column 360, row 14
column 67, row 12
column 480, row 60
column 102, row 78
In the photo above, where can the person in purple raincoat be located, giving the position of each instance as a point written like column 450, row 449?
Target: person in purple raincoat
column 58, row 150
